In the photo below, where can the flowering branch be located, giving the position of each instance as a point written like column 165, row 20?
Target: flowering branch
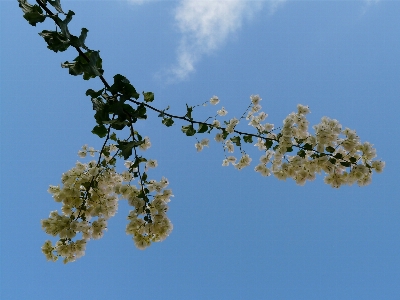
column 90, row 191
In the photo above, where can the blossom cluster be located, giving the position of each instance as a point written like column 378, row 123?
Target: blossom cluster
column 337, row 152
column 89, row 195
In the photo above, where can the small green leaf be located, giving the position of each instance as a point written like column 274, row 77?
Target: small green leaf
column 137, row 161
column 97, row 104
column 330, row 149
column 345, row 163
column 113, row 136
column 56, row 4
column 122, row 85
column 307, row 147
column 93, row 93
column 63, row 24
column 332, row 160
column 144, row 176
column 289, row 149
column 112, row 161
column 168, row 122
column 102, row 111
column 148, row 96
column 353, row 159
column 302, row 153
column 248, row 139
column 189, row 111
column 236, row 140
column 100, row 130
column 141, row 112
column 189, row 130
column 79, row 42
column 55, row 40
column 126, row 148
column 338, row 156
column 224, row 134
column 89, row 69
column 268, row 144
column 35, row 15
column 202, row 128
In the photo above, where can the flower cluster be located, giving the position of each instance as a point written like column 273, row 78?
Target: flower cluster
column 148, row 222
column 89, row 195
column 337, row 152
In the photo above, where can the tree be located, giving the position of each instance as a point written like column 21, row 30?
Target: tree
column 90, row 191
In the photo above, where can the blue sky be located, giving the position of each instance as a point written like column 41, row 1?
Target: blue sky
column 236, row 235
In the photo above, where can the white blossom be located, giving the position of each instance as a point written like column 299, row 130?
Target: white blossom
column 152, row 163
column 222, row 112
column 216, row 123
column 219, row 137
column 255, row 99
column 146, row 143
column 229, row 146
column 214, row 100
column 243, row 162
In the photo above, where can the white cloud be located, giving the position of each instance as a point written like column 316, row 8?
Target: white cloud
column 205, row 26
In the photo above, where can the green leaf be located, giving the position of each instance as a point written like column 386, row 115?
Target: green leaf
column 338, row 156
column 289, row 149
column 148, row 96
column 113, row 136
column 100, row 130
column 102, row 112
column 93, row 93
column 168, row 122
column 89, row 69
column 141, row 112
column 248, row 139
column 56, row 4
column 117, row 108
column 32, row 13
column 345, row 163
column 126, row 147
column 307, row 147
column 268, row 144
column 236, row 140
column 121, row 85
column 137, row 161
column 353, row 159
column 302, row 153
column 332, row 160
column 55, row 41
column 118, row 125
column 224, row 134
column 330, row 149
column 189, row 130
column 144, row 176
column 97, row 104
column 189, row 111
column 63, row 24
column 202, row 128
column 79, row 42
